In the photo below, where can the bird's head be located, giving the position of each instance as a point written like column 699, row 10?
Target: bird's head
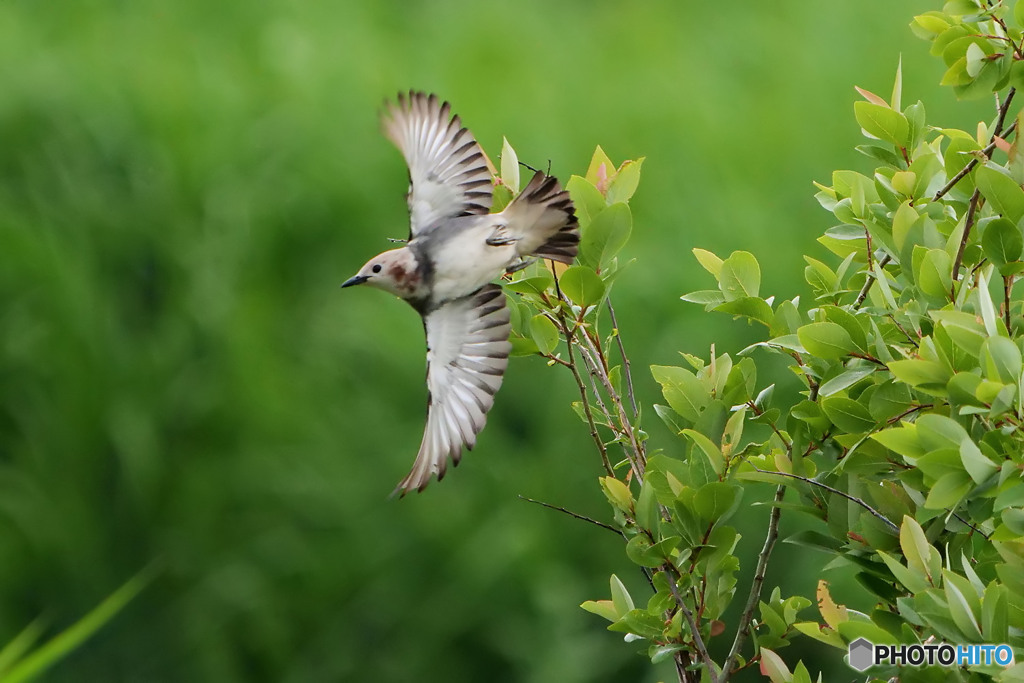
column 394, row 271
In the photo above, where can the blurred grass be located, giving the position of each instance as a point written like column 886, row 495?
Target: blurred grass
column 183, row 187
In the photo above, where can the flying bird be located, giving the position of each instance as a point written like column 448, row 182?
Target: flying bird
column 455, row 250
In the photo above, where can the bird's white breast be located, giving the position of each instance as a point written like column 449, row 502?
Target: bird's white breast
column 465, row 262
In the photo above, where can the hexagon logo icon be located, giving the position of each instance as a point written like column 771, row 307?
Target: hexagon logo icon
column 862, row 654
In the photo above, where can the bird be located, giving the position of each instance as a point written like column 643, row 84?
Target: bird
column 455, row 251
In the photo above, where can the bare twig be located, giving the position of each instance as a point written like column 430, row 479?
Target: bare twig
column 882, row 263
column 584, row 518
column 627, row 375
column 593, row 357
column 579, row 381
column 698, row 641
column 987, row 151
column 743, row 630
column 1007, row 286
column 841, row 494
column 972, row 209
column 986, row 536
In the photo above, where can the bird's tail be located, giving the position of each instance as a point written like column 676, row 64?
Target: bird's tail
column 543, row 220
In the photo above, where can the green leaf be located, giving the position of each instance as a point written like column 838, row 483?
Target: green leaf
column 618, row 493
column 602, row 608
column 825, row 340
column 683, row 391
column 1001, row 360
column 963, row 328
column 920, row 373
column 544, row 333
column 709, row 261
column 915, row 546
column 934, row 276
column 964, row 605
column 626, row 181
column 509, row 166
column 902, row 440
column 947, row 492
column 848, row 322
column 582, row 285
column 607, row 233
column 914, row 581
column 1005, row 196
column 717, row 500
column 994, row 608
column 647, row 505
column 639, row 551
column 752, row 307
column 844, row 380
column 587, row 199
column 708, row 447
column 773, row 667
column 977, row 465
column 847, row 414
column 620, row 597
column 883, row 123
column 939, row 431
column 740, row 276
column 890, row 399
column 705, row 297
column 601, row 169
column 537, row 284
column 1003, row 245
column 929, row 25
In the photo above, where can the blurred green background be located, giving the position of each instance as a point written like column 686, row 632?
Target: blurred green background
column 183, row 186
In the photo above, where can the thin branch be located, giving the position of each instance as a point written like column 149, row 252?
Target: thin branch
column 584, row 518
column 972, row 209
column 882, row 263
column 1007, row 286
column 902, row 329
column 579, row 381
column 868, row 357
column 852, row 499
column 625, row 359
column 698, row 642
column 758, row 583
column 991, row 147
column 638, row 460
column 986, row 536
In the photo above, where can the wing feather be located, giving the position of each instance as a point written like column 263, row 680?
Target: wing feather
column 467, row 353
column 448, row 173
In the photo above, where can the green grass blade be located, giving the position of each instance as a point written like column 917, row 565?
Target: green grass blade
column 61, row 645
column 19, row 645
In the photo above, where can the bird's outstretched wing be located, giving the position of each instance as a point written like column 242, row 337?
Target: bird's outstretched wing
column 448, row 174
column 467, row 353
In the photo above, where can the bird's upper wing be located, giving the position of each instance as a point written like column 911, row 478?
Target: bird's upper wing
column 448, row 172
column 467, row 353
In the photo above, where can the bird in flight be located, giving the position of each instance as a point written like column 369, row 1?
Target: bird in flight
column 456, row 249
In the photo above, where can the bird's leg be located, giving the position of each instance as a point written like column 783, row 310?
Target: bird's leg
column 500, row 238
column 516, row 267
column 395, row 240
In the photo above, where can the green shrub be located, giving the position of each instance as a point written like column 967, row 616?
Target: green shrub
column 902, row 442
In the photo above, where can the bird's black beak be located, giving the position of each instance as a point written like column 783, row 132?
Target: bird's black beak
column 357, row 280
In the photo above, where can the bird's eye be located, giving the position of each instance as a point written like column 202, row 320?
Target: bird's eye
column 376, row 268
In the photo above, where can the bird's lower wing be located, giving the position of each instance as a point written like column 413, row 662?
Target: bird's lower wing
column 467, row 353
